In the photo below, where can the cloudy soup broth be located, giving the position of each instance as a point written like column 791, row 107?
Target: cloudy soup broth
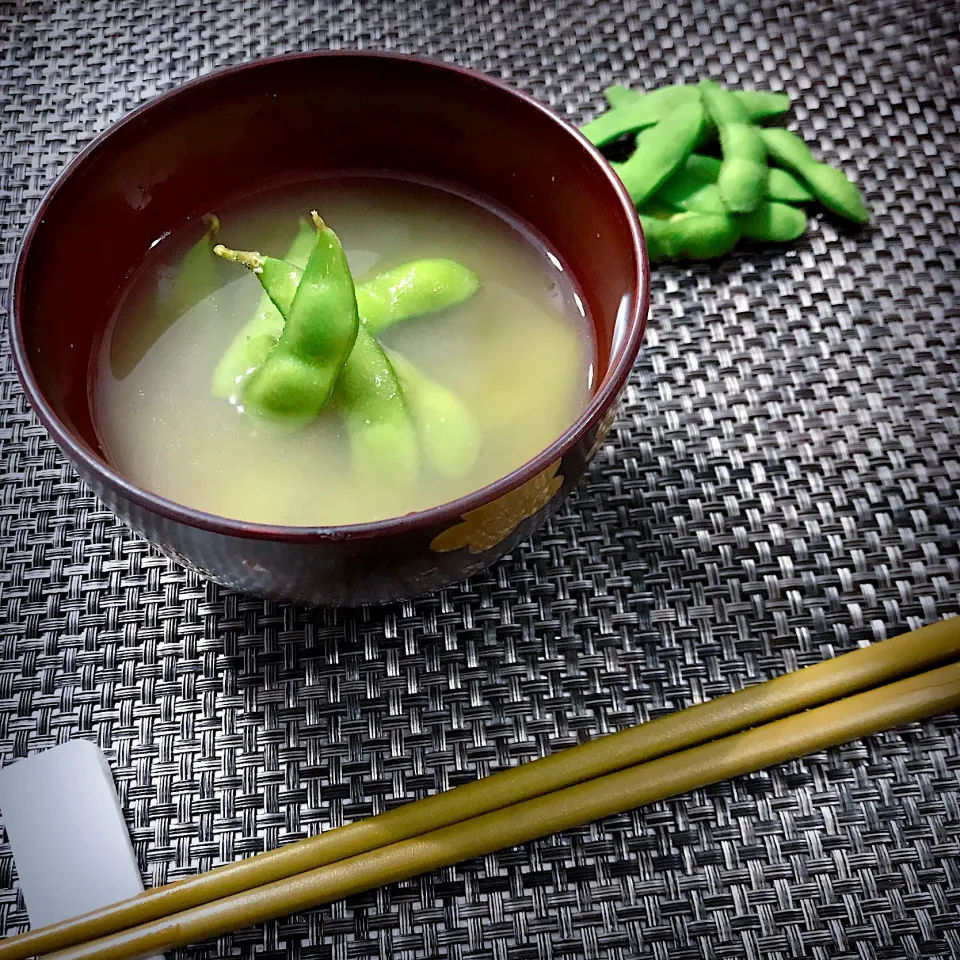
column 517, row 357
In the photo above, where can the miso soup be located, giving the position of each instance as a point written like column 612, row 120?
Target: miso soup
column 519, row 355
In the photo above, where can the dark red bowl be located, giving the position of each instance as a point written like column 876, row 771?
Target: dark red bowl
column 190, row 150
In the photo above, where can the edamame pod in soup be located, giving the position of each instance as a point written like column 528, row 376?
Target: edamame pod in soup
column 274, row 401
column 298, row 376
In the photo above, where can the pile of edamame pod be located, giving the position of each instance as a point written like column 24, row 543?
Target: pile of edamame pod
column 313, row 342
column 696, row 206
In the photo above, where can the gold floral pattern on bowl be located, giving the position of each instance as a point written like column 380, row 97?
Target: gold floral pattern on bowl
column 603, row 428
column 487, row 526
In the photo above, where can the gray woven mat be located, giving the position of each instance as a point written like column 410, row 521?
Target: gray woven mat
column 782, row 485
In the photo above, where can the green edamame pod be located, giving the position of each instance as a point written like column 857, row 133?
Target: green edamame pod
column 635, row 111
column 448, row 431
column 253, row 343
column 655, row 233
column 414, row 289
column 196, row 275
column 299, row 374
column 708, row 168
column 830, row 186
column 279, row 278
column 367, row 394
column 638, row 111
column 689, row 236
column 662, row 99
column 617, row 123
column 651, row 237
column 743, row 170
column 617, row 95
column 369, row 398
column 785, row 188
column 776, row 222
column 781, row 186
column 759, row 104
column 195, row 278
column 419, row 287
column 653, row 210
column 660, row 151
column 701, row 236
column 685, row 190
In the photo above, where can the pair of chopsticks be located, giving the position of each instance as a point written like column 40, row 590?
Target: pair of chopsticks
column 820, row 706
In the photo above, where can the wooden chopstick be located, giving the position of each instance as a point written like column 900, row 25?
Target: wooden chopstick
column 823, row 682
column 860, row 715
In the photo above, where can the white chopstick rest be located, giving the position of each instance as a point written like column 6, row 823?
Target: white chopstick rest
column 64, row 823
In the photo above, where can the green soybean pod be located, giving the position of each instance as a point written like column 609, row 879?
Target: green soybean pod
column 660, row 151
column 398, row 294
column 703, row 166
column 251, row 345
column 662, row 99
column 278, row 278
column 196, row 275
column 781, row 186
column 685, row 190
column 297, row 378
column 775, row 222
column 414, row 289
column 652, row 233
column 786, row 188
column 369, row 398
column 830, row 186
column 743, row 170
column 367, row 392
column 448, row 431
column 759, row 104
column 194, row 279
column 690, row 236
column 617, row 123
column 635, row 112
column 698, row 236
column 617, row 95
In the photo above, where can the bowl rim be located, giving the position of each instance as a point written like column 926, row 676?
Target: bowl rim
column 623, row 353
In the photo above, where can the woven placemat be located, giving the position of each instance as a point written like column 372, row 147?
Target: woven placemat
column 782, row 485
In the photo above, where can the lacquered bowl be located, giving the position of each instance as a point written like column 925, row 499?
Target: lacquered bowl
column 192, row 149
